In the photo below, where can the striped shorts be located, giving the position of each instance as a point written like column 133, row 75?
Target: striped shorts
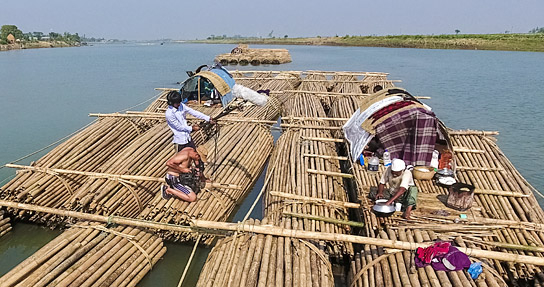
column 173, row 182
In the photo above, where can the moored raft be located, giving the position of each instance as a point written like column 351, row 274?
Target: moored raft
column 89, row 254
column 243, row 55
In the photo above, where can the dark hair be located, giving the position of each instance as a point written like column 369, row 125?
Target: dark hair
column 173, row 97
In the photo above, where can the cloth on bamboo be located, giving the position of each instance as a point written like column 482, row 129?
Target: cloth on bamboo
column 410, row 135
column 452, row 260
column 392, row 107
column 475, row 270
column 438, row 249
column 358, row 137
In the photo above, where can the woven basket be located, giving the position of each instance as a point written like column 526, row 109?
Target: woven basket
column 423, row 172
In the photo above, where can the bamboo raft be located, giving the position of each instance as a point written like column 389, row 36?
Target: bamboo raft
column 243, row 56
column 265, row 260
column 88, row 254
column 309, row 190
column 5, row 225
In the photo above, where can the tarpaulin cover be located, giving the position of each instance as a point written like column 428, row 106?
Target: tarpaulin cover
column 222, row 81
column 410, row 135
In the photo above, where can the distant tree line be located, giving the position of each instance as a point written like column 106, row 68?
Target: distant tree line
column 537, row 30
column 36, row 36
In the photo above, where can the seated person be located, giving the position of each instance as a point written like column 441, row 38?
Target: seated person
column 182, row 177
column 401, row 187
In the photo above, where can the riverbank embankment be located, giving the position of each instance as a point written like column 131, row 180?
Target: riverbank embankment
column 499, row 42
column 35, row 45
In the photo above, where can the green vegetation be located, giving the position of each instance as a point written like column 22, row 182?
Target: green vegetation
column 533, row 41
column 30, row 39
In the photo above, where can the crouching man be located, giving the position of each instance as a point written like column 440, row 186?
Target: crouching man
column 185, row 174
column 401, row 187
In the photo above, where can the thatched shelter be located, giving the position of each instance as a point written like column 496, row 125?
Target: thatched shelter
column 11, row 39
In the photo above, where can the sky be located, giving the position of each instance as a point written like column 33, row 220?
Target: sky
column 198, row 19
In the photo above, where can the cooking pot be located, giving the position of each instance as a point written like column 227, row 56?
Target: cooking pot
column 383, row 210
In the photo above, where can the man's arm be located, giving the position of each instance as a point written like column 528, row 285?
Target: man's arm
column 196, row 114
column 399, row 193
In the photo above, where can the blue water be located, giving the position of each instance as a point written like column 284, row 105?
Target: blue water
column 46, row 94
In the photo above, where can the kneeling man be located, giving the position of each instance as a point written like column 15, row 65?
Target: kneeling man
column 185, row 174
column 401, row 187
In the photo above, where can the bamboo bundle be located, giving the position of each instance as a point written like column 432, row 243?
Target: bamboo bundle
column 290, row 172
column 145, row 156
column 85, row 151
column 309, row 84
column 374, row 83
column 259, row 260
column 5, row 226
column 242, row 150
column 89, row 255
column 282, row 81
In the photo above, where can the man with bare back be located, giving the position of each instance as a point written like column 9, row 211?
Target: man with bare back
column 185, row 173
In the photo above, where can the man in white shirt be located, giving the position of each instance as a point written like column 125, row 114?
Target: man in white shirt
column 175, row 117
column 401, row 187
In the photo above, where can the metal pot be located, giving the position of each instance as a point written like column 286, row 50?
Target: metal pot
column 445, row 172
column 383, row 210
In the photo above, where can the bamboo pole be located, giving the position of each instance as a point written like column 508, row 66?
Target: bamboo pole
column 315, row 200
column 277, row 231
column 321, row 218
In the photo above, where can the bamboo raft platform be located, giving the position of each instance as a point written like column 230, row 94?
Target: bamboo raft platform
column 312, row 192
column 88, row 254
column 243, row 55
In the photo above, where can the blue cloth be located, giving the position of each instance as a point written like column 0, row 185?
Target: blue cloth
column 475, row 270
column 178, row 123
column 227, row 77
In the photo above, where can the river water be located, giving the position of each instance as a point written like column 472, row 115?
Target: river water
column 46, row 94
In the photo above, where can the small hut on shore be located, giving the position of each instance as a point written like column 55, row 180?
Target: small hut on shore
column 11, row 39
column 243, row 55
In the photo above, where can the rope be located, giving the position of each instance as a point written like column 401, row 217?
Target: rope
column 126, row 183
column 322, row 257
column 129, row 238
column 189, row 261
column 44, row 148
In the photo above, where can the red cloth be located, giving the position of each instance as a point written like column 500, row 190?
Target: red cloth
column 427, row 254
column 392, row 107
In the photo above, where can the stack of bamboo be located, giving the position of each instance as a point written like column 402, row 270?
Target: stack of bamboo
column 259, row 260
column 90, row 255
column 373, row 83
column 145, row 156
column 86, row 151
column 304, row 165
column 5, row 226
column 242, row 150
column 317, row 82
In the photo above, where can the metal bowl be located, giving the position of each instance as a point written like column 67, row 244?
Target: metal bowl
column 383, row 210
column 445, row 172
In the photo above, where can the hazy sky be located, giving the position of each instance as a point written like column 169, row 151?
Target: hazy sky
column 139, row 20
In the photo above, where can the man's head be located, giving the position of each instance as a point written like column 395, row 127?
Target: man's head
column 174, row 99
column 397, row 167
column 203, row 153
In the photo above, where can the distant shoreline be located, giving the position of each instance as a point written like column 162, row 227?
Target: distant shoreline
column 35, row 45
column 497, row 42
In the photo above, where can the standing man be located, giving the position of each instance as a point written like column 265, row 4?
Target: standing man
column 401, row 187
column 175, row 117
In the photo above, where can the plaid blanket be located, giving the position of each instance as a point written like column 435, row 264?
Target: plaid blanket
column 410, row 135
